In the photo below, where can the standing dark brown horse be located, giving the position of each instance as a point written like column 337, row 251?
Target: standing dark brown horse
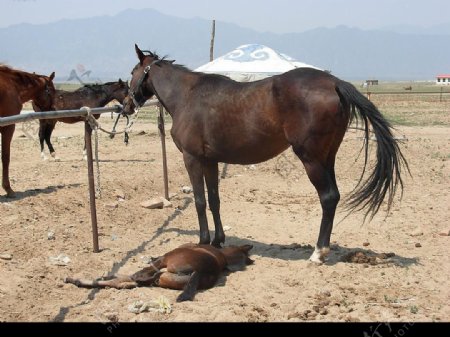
column 16, row 88
column 90, row 95
column 216, row 119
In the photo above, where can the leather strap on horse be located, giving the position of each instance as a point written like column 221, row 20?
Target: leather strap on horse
column 132, row 93
column 94, row 126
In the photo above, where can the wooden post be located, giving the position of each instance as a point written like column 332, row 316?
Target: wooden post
column 211, row 58
column 88, row 141
column 162, row 133
column 211, row 48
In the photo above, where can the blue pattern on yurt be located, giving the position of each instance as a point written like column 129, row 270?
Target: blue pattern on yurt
column 248, row 53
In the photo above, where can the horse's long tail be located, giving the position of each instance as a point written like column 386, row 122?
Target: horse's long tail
column 385, row 177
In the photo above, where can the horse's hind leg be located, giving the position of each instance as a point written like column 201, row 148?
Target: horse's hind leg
column 211, row 171
column 188, row 283
column 7, row 134
column 322, row 176
column 148, row 276
column 194, row 168
column 119, row 282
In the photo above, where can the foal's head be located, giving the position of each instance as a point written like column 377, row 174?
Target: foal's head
column 119, row 90
column 237, row 257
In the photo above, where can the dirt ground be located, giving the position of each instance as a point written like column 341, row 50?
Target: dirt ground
column 271, row 205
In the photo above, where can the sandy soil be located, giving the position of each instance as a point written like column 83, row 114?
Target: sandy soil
column 271, row 205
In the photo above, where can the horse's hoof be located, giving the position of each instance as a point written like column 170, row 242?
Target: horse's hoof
column 184, row 297
column 11, row 194
column 216, row 244
column 319, row 255
column 53, row 154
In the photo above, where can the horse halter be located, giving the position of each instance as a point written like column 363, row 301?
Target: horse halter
column 138, row 98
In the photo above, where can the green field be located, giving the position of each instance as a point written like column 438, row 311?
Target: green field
column 426, row 104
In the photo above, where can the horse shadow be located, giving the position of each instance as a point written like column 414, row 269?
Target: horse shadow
column 36, row 191
column 295, row 251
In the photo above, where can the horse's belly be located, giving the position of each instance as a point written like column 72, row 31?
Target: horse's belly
column 247, row 152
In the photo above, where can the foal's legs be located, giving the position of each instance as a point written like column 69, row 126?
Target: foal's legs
column 211, row 171
column 188, row 283
column 194, row 168
column 7, row 134
column 118, row 282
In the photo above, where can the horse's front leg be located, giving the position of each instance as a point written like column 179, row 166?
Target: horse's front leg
column 7, row 134
column 42, row 127
column 211, row 171
column 48, row 135
column 194, row 168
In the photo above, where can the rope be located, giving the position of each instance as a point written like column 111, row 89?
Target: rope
column 126, row 130
column 94, row 126
column 98, row 191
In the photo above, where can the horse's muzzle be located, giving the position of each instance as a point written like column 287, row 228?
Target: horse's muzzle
column 128, row 106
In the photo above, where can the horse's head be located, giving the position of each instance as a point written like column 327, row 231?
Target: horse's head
column 141, row 87
column 44, row 98
column 120, row 90
column 237, row 257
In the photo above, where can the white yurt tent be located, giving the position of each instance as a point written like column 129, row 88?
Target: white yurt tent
column 252, row 62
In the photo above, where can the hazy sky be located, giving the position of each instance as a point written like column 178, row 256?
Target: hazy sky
column 278, row 16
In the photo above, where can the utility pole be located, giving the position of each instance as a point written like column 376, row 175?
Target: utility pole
column 211, row 48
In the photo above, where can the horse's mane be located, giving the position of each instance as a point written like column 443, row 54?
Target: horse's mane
column 95, row 87
column 23, row 77
column 163, row 59
column 7, row 69
column 92, row 87
column 180, row 66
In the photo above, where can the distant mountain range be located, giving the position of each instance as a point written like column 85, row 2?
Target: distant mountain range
column 105, row 46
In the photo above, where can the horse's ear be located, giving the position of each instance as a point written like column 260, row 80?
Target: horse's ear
column 246, row 248
column 120, row 81
column 52, row 76
column 139, row 53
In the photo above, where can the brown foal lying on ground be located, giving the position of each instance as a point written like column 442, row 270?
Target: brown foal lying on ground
column 188, row 268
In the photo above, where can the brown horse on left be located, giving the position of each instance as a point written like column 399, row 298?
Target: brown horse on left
column 16, row 88
column 189, row 267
